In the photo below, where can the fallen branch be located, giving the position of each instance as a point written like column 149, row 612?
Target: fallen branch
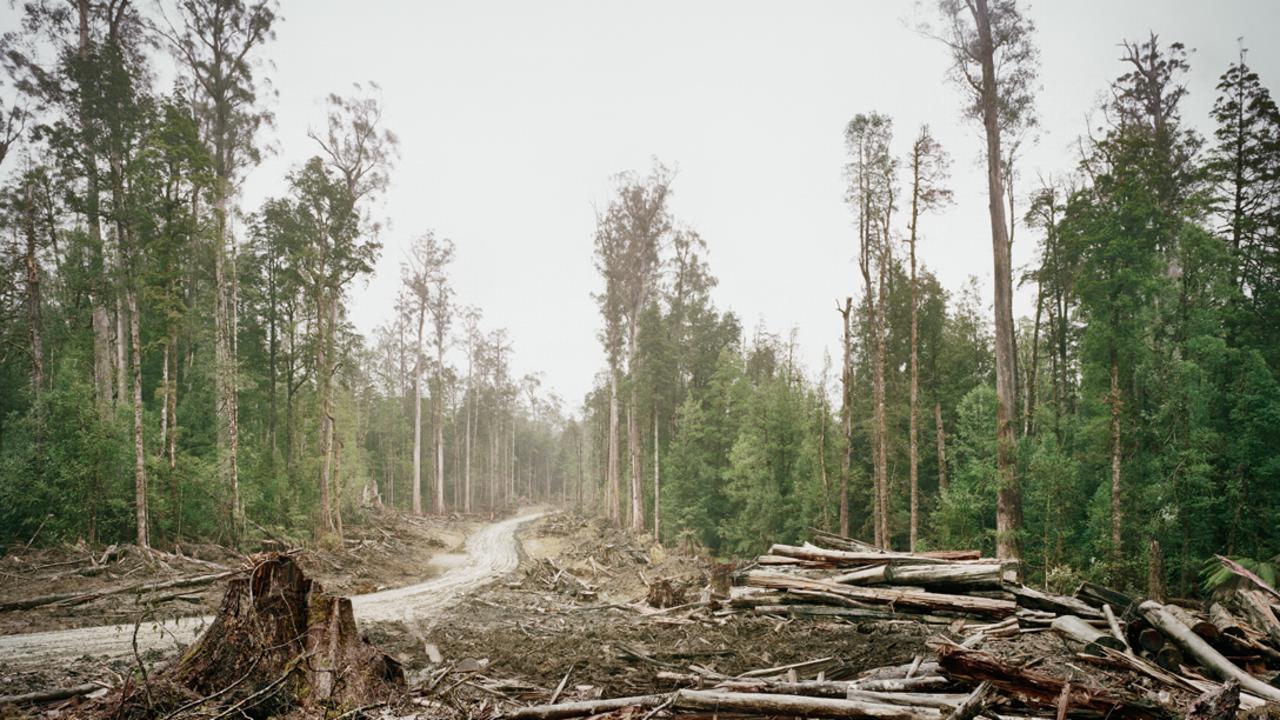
column 47, row 696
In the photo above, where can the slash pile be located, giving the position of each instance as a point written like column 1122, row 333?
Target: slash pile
column 1097, row 653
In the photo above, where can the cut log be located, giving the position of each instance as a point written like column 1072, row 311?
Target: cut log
column 1099, row 595
column 1037, row 688
column 929, row 576
column 851, row 558
column 927, row 601
column 1150, row 639
column 858, row 613
column 1226, row 623
column 585, row 707
column 1211, row 659
column 796, row 705
column 1087, row 635
column 1116, row 631
column 872, row 575
column 1198, row 625
column 1170, row 658
column 1057, row 604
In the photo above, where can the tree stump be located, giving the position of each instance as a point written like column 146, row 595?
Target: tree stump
column 279, row 644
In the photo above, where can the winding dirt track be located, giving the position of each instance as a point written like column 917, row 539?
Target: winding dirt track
column 491, row 552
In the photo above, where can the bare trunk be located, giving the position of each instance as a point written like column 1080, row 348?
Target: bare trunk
column 35, row 332
column 914, row 440
column 942, row 446
column 822, row 458
column 139, row 451
column 337, row 481
column 657, row 484
column 634, row 444
column 121, row 344
column 466, row 476
column 224, row 388
column 101, row 357
column 1029, row 395
column 882, row 431
column 615, row 482
column 1117, row 536
column 324, row 370
column 846, row 414
column 1008, row 494
column 439, row 423
column 417, row 414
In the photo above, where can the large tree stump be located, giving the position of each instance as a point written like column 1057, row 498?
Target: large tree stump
column 279, row 644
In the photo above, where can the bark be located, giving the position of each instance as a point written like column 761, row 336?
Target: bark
column 1222, row 668
column 417, row 412
column 139, row 451
column 1008, row 494
column 846, row 412
column 615, row 482
column 438, row 419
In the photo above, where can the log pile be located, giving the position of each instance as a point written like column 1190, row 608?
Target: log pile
column 1147, row 659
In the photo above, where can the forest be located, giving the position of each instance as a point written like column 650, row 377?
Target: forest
column 179, row 366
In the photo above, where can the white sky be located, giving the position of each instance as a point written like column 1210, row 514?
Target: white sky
column 513, row 115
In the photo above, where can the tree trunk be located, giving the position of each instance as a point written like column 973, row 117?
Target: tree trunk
column 657, row 484
column 35, row 331
column 438, row 419
column 223, row 360
column 882, row 431
column 822, row 458
column 942, row 446
column 1117, row 535
column 325, row 373
column 635, row 446
column 914, row 432
column 466, row 476
column 417, row 413
column 1008, row 494
column 615, row 482
column 1029, row 395
column 846, row 414
column 139, row 451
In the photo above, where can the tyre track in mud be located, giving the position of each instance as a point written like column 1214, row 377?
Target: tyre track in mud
column 492, row 552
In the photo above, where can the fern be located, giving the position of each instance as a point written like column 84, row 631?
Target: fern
column 1216, row 577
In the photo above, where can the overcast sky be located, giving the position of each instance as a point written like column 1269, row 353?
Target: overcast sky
column 513, row 115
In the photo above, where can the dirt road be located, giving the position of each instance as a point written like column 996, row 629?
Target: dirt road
column 491, row 552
